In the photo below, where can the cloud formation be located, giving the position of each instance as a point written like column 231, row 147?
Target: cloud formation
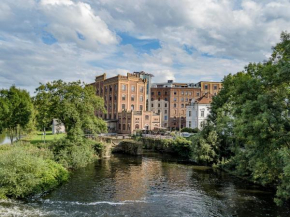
column 185, row 40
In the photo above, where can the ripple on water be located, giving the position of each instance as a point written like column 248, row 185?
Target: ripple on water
column 9, row 208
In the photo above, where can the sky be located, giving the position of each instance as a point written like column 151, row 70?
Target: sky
column 180, row 40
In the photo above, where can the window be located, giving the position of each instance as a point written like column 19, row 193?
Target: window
column 141, row 107
column 132, row 88
column 197, row 94
column 182, row 105
column 106, row 88
column 165, row 117
column 202, row 114
column 189, row 93
column 175, row 99
column 141, row 98
column 116, row 87
column 110, row 88
column 205, row 86
column 119, row 126
column 152, row 99
column 132, row 107
column 123, row 96
column 152, row 93
column 186, row 99
column 189, row 124
column 110, row 98
column 215, row 93
column 105, row 98
column 175, row 111
column 189, row 113
column 132, row 97
column 158, row 111
column 141, row 89
column 165, row 105
column 159, row 99
column 165, row 93
column 182, row 99
column 110, row 116
column 165, row 111
column 137, row 126
column 165, row 99
column 124, row 126
column 185, row 92
column 174, row 92
column 115, row 97
column 128, row 127
column 158, row 105
column 215, row 87
column 174, row 105
column 159, row 93
column 146, row 117
column 123, row 86
column 152, row 105
column 182, row 92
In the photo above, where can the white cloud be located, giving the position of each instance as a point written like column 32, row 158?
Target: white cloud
column 199, row 39
column 76, row 22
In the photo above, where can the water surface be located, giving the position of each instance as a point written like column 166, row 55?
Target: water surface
column 151, row 185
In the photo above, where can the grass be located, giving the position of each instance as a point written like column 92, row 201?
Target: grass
column 38, row 137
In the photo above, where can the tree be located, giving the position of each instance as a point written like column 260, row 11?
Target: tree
column 16, row 111
column 251, row 118
column 72, row 103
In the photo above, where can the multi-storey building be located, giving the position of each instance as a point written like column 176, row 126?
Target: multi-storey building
column 148, row 78
column 198, row 111
column 170, row 100
column 122, row 93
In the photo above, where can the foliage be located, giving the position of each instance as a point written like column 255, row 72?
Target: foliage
column 74, row 154
column 251, row 125
column 27, row 170
column 204, row 150
column 73, row 103
column 189, row 130
column 179, row 146
column 182, row 147
column 16, row 111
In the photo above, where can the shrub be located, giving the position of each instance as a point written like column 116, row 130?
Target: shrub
column 26, row 170
column 74, row 154
column 182, row 147
column 189, row 130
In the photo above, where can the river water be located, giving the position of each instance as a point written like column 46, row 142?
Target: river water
column 151, row 185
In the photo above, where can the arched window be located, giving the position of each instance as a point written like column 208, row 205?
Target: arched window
column 132, row 107
column 137, row 126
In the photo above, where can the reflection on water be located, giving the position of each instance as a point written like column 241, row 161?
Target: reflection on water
column 150, row 186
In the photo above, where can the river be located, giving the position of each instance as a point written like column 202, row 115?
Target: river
column 151, row 185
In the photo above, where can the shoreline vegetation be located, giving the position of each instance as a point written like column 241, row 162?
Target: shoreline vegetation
column 247, row 132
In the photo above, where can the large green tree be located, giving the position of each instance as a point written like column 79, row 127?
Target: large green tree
column 72, row 103
column 251, row 118
column 16, row 110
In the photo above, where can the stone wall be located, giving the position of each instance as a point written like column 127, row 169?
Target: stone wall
column 130, row 147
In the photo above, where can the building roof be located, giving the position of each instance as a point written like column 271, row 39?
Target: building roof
column 205, row 99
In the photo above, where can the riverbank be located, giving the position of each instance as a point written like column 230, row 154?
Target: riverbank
column 28, row 168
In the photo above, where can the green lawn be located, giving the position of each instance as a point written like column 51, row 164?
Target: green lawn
column 38, row 138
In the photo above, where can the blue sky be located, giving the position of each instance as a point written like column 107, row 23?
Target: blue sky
column 187, row 41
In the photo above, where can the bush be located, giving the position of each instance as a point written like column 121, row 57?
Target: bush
column 182, row 147
column 189, row 130
column 27, row 170
column 74, row 154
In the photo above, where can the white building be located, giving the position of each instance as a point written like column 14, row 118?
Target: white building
column 57, row 127
column 198, row 111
